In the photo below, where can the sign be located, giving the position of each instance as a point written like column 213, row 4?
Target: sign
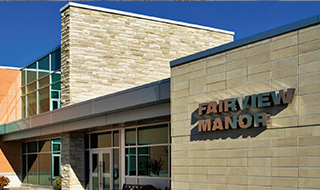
column 266, row 99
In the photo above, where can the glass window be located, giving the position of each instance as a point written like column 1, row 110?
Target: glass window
column 130, row 137
column 56, row 165
column 23, row 106
column 32, row 87
column 56, row 144
column 44, row 100
column 116, row 169
column 131, row 161
column 153, row 161
column 86, row 141
column 23, row 90
column 24, row 148
column 55, row 77
column 56, row 60
column 23, row 77
column 87, row 170
column 43, row 66
column 32, row 104
column 116, row 138
column 56, row 86
column 153, row 134
column 31, row 73
column 45, row 169
column 24, row 169
column 32, row 171
column 55, row 94
column 55, row 105
column 32, row 147
column 44, row 82
column 44, row 146
column 101, row 140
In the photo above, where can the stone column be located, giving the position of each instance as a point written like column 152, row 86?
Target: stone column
column 72, row 161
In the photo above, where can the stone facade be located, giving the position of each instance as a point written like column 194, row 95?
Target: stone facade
column 286, row 155
column 103, row 52
column 72, row 161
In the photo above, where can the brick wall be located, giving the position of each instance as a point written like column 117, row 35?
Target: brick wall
column 286, row 155
column 103, row 52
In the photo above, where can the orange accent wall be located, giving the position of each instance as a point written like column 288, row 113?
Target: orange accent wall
column 10, row 106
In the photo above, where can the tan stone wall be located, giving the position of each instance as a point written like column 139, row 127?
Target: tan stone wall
column 284, row 156
column 103, row 53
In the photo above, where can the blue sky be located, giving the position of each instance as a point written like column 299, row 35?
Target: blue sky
column 30, row 29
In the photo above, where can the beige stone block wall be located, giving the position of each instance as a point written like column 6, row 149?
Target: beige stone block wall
column 286, row 155
column 103, row 53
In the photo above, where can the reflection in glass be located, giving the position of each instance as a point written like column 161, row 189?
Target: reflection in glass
column 101, row 140
column 23, row 106
column 23, row 90
column 56, row 60
column 106, row 183
column 115, row 138
column 44, row 100
column 130, row 137
column 44, row 82
column 45, row 169
column 95, row 183
column 31, row 73
column 153, row 161
column 131, row 161
column 43, row 66
column 95, row 162
column 23, row 77
column 32, row 146
column 32, row 104
column 56, row 144
column 32, row 87
column 55, row 77
column 32, row 169
column 116, row 169
column 56, row 86
column 106, row 162
column 153, row 134
column 44, row 146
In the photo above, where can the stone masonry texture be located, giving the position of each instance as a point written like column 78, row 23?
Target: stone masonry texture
column 103, row 53
column 284, row 156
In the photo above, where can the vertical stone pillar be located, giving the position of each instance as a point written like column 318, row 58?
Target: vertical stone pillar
column 72, row 161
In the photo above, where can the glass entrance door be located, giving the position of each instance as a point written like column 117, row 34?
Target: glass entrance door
column 101, row 170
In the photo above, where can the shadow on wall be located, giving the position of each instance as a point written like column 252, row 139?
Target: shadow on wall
column 231, row 133
column 10, row 161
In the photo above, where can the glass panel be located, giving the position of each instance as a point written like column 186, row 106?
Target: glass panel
column 55, row 94
column 32, row 87
column 24, row 148
column 56, row 144
column 116, row 138
column 56, row 86
column 45, row 169
column 55, row 105
column 116, row 169
column 24, row 169
column 153, row 134
column 43, row 66
column 56, row 60
column 106, row 183
column 44, row 146
column 32, row 169
column 130, row 161
column 95, row 183
column 95, row 162
column 31, row 73
column 32, row 104
column 23, row 77
column 44, row 100
column 44, row 82
column 56, row 165
column 153, row 161
column 23, row 106
column 106, row 162
column 55, row 77
column 101, row 140
column 32, row 147
column 130, row 137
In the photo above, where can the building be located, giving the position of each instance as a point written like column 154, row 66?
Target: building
column 96, row 98
column 238, row 115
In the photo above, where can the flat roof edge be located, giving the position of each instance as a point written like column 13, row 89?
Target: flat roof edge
column 248, row 40
column 102, row 9
column 9, row 67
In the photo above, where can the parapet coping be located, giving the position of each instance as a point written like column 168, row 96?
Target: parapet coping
column 11, row 68
column 245, row 41
column 102, row 9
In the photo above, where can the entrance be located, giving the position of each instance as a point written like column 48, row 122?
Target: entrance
column 101, row 170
